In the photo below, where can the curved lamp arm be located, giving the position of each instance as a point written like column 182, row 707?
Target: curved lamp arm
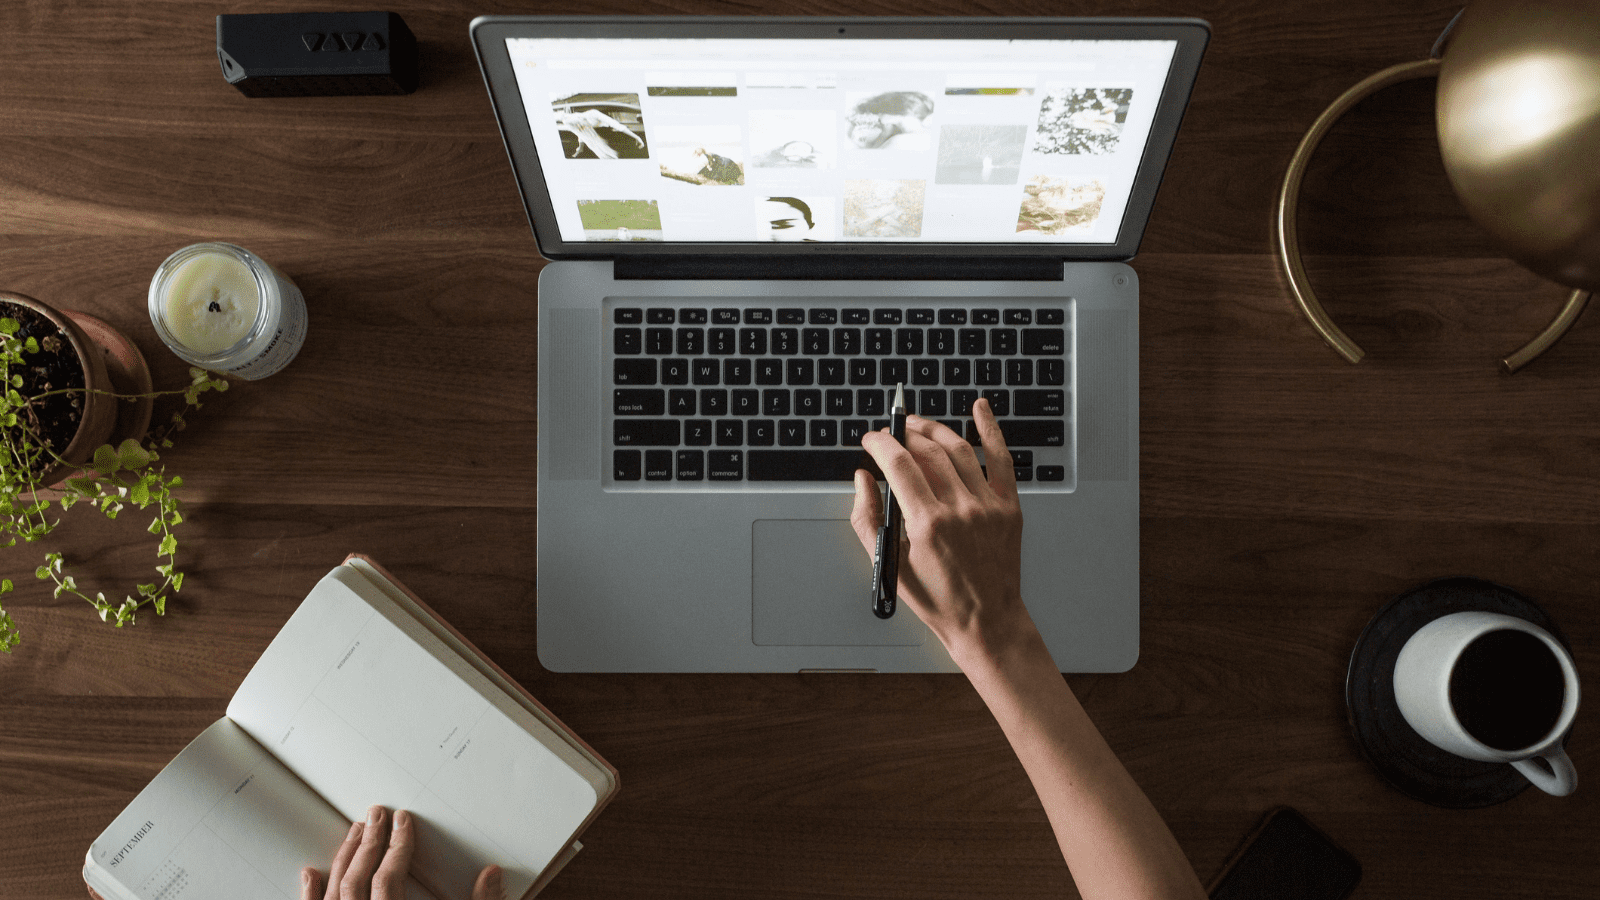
column 1287, row 239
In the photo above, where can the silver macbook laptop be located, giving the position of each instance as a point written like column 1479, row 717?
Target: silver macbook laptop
column 757, row 227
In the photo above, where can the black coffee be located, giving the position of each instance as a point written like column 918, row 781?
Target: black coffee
column 1507, row 689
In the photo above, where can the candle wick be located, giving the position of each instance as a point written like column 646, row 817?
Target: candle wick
column 214, row 307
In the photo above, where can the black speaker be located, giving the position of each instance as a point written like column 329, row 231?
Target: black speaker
column 319, row 54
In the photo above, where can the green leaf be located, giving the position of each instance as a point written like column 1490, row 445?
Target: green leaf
column 177, row 582
column 161, row 606
column 169, row 546
column 9, row 326
column 132, row 456
column 5, row 585
column 105, row 459
column 140, row 493
column 40, row 573
column 155, row 525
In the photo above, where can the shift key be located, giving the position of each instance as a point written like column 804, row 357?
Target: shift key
column 645, row 432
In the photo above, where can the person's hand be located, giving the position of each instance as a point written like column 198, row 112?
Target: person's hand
column 961, row 568
column 373, row 861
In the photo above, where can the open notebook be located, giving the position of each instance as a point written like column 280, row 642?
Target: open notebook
column 364, row 697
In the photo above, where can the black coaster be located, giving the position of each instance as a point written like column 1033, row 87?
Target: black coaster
column 1403, row 757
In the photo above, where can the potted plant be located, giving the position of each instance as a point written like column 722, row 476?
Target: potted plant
column 59, row 406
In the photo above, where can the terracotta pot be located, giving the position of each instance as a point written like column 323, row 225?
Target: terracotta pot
column 99, row 410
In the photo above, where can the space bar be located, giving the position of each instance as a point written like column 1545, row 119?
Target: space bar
column 808, row 465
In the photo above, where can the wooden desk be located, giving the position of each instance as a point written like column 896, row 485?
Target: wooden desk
column 1287, row 495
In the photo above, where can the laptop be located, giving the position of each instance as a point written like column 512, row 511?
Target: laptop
column 756, row 229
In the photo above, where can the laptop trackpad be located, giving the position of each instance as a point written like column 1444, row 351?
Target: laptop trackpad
column 810, row 584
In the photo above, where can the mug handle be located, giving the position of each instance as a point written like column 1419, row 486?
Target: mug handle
column 1561, row 780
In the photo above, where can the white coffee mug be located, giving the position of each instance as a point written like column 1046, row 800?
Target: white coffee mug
column 1505, row 693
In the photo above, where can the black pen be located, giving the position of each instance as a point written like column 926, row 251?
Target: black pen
column 886, row 564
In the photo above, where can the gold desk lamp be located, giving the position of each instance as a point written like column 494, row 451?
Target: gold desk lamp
column 1519, row 131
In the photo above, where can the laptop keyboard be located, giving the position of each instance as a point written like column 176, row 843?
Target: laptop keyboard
column 729, row 393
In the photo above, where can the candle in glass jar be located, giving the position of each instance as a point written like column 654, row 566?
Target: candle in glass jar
column 212, row 302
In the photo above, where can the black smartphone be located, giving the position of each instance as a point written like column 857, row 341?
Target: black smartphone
column 1286, row 856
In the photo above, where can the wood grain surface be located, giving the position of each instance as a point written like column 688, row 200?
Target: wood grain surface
column 1286, row 494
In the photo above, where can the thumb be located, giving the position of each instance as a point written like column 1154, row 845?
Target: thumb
column 867, row 514
column 490, row 884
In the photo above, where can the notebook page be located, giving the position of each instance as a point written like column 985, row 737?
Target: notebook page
column 352, row 704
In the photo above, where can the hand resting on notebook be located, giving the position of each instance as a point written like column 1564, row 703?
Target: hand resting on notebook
column 960, row 572
column 372, row 863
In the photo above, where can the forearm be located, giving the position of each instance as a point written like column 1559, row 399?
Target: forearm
column 1115, row 843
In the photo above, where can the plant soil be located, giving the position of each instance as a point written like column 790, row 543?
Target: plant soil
column 54, row 420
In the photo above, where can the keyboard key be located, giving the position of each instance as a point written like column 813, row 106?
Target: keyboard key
column 800, row 371
column 863, row 371
column 952, row 317
column 730, row 433
column 1040, row 403
column 839, row 403
column 658, row 341
column 762, row 432
column 758, row 317
column 745, row 403
column 736, row 371
column 809, row 465
column 908, row 341
column 775, row 402
column 886, row 317
column 627, row 465
column 1021, row 459
column 691, row 317
column 847, row 341
column 769, row 371
column 721, row 341
column 919, row 317
column 725, row 465
column 1028, row 432
column 627, row 341
column 999, row 402
column 1044, row 341
column 691, row 465
column 645, row 432
column 1051, row 473
column 870, row 402
column 823, row 316
column 791, row 433
column 973, row 342
column 791, row 317
column 925, row 371
column 830, row 371
column 957, row 372
column 824, row 432
column 1052, row 371
column 639, row 402
column 633, row 371
column 724, row 316
column 1003, row 341
column 785, row 341
column 814, row 341
column 855, row 316
column 691, row 341
column 1019, row 371
column 986, row 371
column 880, row 341
column 713, row 402
column 986, row 317
column 627, row 316
column 893, row 372
column 851, row 430
column 697, row 432
column 680, row 403
column 941, row 341
column 705, row 371
column 1022, row 475
column 658, row 465
column 931, row 403
column 661, row 316
column 1017, row 317
column 674, row 371
column 1052, row 317
column 961, row 402
column 808, row 402
column 753, row 341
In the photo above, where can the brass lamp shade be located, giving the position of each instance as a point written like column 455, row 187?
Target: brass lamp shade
column 1519, row 131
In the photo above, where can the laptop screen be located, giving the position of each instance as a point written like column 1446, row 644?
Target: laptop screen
column 740, row 140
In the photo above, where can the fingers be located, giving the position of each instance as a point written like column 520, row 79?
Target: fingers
column 357, row 881
column 953, row 449
column 1002, row 475
column 310, row 884
column 911, row 488
column 389, row 883
column 341, row 860
column 490, row 884
column 867, row 513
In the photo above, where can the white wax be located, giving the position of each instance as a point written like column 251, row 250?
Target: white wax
column 211, row 302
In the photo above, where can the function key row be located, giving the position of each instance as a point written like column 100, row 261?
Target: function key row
column 854, row 315
column 842, row 341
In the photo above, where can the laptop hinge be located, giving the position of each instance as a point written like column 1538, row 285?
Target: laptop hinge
column 823, row 267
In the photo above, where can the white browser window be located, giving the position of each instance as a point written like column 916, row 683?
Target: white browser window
column 906, row 141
